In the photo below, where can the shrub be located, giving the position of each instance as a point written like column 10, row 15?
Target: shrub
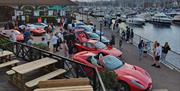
column 109, row 79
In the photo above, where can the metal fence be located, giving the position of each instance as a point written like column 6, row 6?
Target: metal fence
column 172, row 58
column 75, row 69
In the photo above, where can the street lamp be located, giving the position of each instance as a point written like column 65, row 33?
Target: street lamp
column 101, row 22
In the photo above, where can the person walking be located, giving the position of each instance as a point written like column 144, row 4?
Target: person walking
column 123, row 35
column 131, row 36
column 65, row 49
column 30, row 41
column 127, row 34
column 145, row 49
column 140, row 47
column 54, row 40
column 13, row 36
column 165, row 50
column 154, row 49
column 112, row 42
column 120, row 42
column 47, row 38
column 27, row 35
column 157, row 56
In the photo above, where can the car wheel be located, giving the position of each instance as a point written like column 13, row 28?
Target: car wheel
column 123, row 86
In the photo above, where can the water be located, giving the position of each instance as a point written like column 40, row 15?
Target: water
column 162, row 34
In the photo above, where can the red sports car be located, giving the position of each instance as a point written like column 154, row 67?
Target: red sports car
column 38, row 31
column 7, row 33
column 130, row 77
column 96, row 47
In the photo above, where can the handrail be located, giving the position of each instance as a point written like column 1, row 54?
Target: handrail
column 65, row 58
column 153, row 42
column 100, row 80
column 172, row 58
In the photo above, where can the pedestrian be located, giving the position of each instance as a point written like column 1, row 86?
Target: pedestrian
column 53, row 27
column 30, row 41
column 60, row 38
column 13, row 36
column 71, row 48
column 120, row 42
column 157, row 56
column 47, row 38
column 140, row 47
column 154, row 49
column 131, row 36
column 45, row 20
column 165, row 50
column 65, row 49
column 112, row 42
column 123, row 35
column 127, row 34
column 145, row 49
column 43, row 41
column 27, row 35
column 54, row 40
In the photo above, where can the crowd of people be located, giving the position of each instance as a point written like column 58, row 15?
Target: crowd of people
column 127, row 34
column 159, row 52
column 62, row 38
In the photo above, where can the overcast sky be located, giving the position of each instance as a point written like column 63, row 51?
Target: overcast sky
column 89, row 0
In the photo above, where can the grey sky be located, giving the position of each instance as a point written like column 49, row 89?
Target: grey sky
column 89, row 0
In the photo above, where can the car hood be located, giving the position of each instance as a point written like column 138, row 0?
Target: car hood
column 113, row 51
column 130, row 72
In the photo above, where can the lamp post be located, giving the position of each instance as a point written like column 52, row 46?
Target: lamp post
column 101, row 30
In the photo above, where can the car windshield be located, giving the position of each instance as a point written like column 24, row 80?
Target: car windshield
column 100, row 45
column 93, row 35
column 87, row 29
column 112, row 63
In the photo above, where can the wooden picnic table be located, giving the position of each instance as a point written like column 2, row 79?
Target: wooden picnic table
column 5, row 54
column 21, row 70
column 31, row 66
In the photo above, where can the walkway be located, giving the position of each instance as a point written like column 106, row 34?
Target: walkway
column 163, row 78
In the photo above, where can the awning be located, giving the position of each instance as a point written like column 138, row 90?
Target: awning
column 36, row 2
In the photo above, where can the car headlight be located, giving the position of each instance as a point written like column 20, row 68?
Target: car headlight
column 137, row 84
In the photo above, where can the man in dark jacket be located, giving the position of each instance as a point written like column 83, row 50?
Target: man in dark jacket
column 165, row 50
column 131, row 36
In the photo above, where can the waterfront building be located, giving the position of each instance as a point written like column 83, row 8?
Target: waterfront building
column 30, row 10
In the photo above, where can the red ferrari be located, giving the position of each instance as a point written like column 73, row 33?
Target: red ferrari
column 38, row 32
column 96, row 47
column 130, row 77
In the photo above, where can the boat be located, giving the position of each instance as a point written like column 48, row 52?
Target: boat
column 135, row 21
column 176, row 19
column 161, row 18
column 146, row 16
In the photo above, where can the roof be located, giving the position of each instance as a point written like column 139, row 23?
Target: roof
column 36, row 2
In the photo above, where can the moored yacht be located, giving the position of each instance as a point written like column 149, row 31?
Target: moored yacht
column 176, row 19
column 135, row 21
column 161, row 18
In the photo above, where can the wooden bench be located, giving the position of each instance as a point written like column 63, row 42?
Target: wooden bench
column 48, row 76
column 11, row 74
column 9, row 63
column 64, row 82
column 70, row 88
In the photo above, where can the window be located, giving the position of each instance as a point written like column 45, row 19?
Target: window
column 100, row 45
column 89, row 45
column 112, row 63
